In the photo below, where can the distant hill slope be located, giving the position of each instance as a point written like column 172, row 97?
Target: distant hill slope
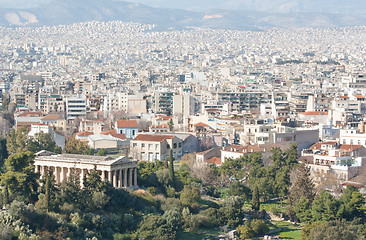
column 72, row 11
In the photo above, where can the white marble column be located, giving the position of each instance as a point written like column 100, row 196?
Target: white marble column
column 120, row 183
column 135, row 178
column 110, row 176
column 124, row 177
column 114, row 179
column 82, row 174
column 68, row 172
column 62, row 176
column 43, row 171
column 102, row 177
column 36, row 168
column 130, row 177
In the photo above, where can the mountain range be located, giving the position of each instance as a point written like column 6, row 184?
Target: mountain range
column 251, row 17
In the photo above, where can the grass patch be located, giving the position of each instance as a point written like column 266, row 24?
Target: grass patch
column 273, row 206
column 199, row 235
column 286, row 230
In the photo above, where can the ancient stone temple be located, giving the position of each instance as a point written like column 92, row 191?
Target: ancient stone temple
column 121, row 171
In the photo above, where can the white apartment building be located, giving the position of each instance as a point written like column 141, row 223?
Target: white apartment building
column 183, row 105
column 75, row 107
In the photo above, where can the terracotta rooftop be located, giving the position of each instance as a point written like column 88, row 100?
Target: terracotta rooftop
column 319, row 144
column 114, row 133
column 31, row 114
column 214, row 160
column 127, row 124
column 314, row 113
column 51, row 117
column 160, row 126
column 83, row 134
column 358, row 96
column 152, row 137
column 201, row 124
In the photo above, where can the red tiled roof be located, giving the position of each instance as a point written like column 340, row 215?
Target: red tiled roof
column 160, row 126
column 51, row 117
column 314, row 113
column 83, row 134
column 344, row 97
column 114, row 133
column 161, row 117
column 152, row 137
column 40, row 124
column 201, row 124
column 127, row 124
column 358, row 96
column 349, row 147
column 319, row 144
column 31, row 114
column 214, row 160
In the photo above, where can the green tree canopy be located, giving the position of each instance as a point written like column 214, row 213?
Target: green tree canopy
column 20, row 178
column 74, row 146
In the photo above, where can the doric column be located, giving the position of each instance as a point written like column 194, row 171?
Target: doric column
column 43, row 171
column 130, row 177
column 110, row 176
column 135, row 178
column 114, row 179
column 68, row 172
column 120, row 183
column 36, row 168
column 62, row 176
column 102, row 177
column 82, row 174
column 55, row 173
column 124, row 177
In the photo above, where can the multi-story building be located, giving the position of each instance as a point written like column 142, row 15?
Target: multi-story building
column 75, row 107
column 151, row 147
column 183, row 105
column 163, row 102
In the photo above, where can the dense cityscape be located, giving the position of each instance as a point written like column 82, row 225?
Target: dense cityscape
column 116, row 130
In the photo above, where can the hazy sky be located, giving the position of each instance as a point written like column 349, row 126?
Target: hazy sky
column 338, row 6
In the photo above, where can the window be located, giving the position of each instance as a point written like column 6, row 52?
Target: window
column 175, row 145
column 167, row 146
column 134, row 144
column 133, row 132
column 156, row 146
column 180, row 145
column 143, row 145
column 150, row 146
column 359, row 142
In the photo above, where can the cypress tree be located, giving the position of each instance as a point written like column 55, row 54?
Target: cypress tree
column 255, row 199
column 48, row 188
column 5, row 195
column 171, row 169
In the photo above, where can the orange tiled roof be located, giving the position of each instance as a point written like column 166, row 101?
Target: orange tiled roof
column 201, row 124
column 127, row 124
column 319, row 144
column 84, row 134
column 160, row 126
column 214, row 160
column 114, row 133
column 358, row 96
column 51, row 117
column 314, row 113
column 152, row 137
column 31, row 114
column 349, row 147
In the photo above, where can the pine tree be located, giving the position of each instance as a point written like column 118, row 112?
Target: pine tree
column 171, row 169
column 48, row 188
column 5, row 195
column 255, row 199
column 302, row 185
